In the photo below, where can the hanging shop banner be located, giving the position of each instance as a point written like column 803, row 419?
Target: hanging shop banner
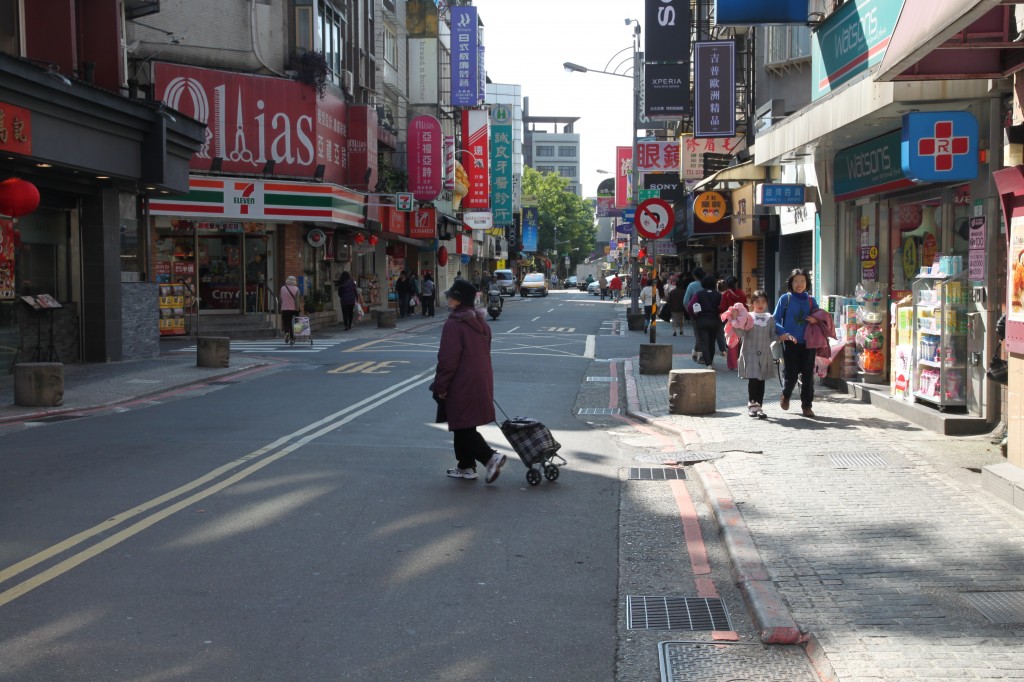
column 501, row 164
column 424, row 223
column 623, row 176
column 709, row 207
column 714, row 88
column 425, row 157
column 478, row 220
column 751, row 12
column 531, row 225
column 692, row 151
column 666, row 90
column 15, row 129
column 423, row 71
column 658, row 157
column 940, row 146
column 869, row 168
column 667, row 30
column 7, row 260
column 465, row 55
column 255, row 119
column 782, row 195
column 449, row 162
column 474, row 157
column 850, row 41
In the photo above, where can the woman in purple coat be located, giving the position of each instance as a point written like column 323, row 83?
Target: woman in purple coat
column 464, row 383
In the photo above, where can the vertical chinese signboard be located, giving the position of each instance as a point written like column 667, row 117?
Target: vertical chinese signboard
column 531, row 224
column 6, row 260
column 501, row 164
column 623, row 176
column 425, row 157
column 475, row 163
column 714, row 89
column 465, row 57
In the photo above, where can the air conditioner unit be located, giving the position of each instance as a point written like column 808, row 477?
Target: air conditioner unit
column 348, row 81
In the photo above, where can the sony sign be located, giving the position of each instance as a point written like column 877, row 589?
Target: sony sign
column 667, row 24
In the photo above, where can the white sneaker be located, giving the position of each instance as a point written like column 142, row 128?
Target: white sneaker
column 469, row 474
column 494, row 465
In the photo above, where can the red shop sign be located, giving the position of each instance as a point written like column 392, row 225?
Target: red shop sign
column 254, row 119
column 15, row 129
column 425, row 156
column 424, row 223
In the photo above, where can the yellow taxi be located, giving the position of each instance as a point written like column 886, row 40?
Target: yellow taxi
column 534, row 283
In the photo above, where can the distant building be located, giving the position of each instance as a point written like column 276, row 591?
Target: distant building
column 550, row 150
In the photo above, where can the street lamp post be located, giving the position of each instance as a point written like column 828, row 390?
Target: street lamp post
column 634, row 238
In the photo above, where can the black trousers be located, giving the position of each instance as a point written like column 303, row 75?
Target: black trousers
column 347, row 312
column 707, row 335
column 755, row 391
column 428, row 306
column 470, row 448
column 799, row 361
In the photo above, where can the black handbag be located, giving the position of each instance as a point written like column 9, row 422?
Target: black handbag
column 998, row 370
column 664, row 314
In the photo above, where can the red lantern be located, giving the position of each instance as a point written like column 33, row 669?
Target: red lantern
column 442, row 256
column 373, row 240
column 18, row 197
column 359, row 238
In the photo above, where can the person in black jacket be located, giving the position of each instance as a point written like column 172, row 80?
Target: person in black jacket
column 404, row 291
column 706, row 317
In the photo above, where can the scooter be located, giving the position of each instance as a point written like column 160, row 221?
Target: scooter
column 494, row 302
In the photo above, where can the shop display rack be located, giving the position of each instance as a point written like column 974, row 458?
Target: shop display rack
column 940, row 339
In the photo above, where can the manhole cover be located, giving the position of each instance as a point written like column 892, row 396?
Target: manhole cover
column 602, row 378
column 599, row 410
column 856, row 460
column 998, row 607
column 656, row 474
column 57, row 418
column 721, row 661
column 682, row 457
column 676, row 613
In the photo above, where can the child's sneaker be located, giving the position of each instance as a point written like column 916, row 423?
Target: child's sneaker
column 469, row 474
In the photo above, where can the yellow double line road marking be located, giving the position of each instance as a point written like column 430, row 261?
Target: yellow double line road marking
column 280, row 448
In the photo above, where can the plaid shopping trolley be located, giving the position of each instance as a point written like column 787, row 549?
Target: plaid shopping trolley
column 535, row 445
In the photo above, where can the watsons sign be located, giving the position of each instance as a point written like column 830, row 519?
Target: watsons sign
column 870, row 168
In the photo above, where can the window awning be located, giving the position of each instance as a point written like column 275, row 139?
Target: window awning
column 744, row 172
column 952, row 39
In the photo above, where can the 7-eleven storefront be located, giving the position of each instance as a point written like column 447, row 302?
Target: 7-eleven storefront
column 233, row 241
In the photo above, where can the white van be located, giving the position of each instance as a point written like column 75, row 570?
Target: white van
column 507, row 281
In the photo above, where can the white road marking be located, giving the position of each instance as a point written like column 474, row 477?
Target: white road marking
column 552, row 310
column 591, row 346
column 510, row 330
column 535, row 319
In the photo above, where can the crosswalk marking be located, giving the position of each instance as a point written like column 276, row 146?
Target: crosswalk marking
column 274, row 346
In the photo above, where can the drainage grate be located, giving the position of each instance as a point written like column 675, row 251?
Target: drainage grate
column 998, row 607
column 733, row 661
column 856, row 460
column 599, row 410
column 602, row 378
column 57, row 418
column 656, row 474
column 676, row 613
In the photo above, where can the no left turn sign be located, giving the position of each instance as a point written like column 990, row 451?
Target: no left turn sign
column 654, row 218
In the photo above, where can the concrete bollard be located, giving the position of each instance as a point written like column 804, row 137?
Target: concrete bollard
column 386, row 319
column 691, row 391
column 655, row 358
column 39, row 384
column 213, row 351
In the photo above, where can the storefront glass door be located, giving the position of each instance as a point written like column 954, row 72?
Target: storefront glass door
column 220, row 273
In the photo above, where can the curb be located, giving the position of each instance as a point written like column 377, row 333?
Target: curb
column 768, row 610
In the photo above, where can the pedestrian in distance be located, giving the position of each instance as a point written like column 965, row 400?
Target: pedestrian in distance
column 602, row 284
column 403, row 291
column 428, row 292
column 707, row 320
column 755, row 358
column 691, row 290
column 349, row 295
column 291, row 305
column 463, row 383
column 676, row 307
column 615, row 286
column 732, row 295
column 792, row 315
column 647, row 301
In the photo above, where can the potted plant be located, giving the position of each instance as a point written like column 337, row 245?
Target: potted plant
column 311, row 68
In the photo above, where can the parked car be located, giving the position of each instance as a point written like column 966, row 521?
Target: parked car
column 534, row 283
column 570, row 282
column 507, row 281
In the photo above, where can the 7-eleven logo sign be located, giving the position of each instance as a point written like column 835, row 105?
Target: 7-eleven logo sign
column 244, row 199
column 940, row 146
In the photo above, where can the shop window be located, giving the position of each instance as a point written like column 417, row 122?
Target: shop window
column 10, row 38
column 915, row 239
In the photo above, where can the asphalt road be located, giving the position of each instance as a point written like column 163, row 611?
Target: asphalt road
column 297, row 524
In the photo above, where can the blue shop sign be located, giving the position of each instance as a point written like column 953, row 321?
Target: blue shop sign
column 940, row 146
column 783, row 195
column 749, row 12
column 850, row 41
column 869, row 168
